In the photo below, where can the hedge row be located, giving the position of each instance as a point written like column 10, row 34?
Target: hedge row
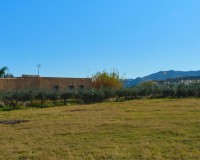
column 43, row 96
column 161, row 91
column 14, row 98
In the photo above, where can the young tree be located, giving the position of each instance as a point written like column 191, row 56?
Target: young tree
column 11, row 98
column 67, row 95
column 43, row 95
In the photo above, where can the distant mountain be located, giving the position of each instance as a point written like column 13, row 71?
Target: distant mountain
column 162, row 75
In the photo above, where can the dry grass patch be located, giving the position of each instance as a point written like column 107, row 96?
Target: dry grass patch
column 140, row 129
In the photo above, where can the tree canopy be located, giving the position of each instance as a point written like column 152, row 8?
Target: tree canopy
column 4, row 74
column 106, row 80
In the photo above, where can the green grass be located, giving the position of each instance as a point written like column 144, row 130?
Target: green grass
column 141, row 129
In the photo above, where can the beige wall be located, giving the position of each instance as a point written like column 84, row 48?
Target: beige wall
column 43, row 82
column 64, row 83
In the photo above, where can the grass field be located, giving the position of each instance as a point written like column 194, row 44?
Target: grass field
column 139, row 129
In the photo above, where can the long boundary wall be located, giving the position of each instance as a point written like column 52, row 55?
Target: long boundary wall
column 20, row 83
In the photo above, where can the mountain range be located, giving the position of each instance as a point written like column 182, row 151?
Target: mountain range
column 161, row 75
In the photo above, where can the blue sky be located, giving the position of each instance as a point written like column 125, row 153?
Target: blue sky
column 77, row 38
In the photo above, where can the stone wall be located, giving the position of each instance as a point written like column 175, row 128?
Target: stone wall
column 44, row 82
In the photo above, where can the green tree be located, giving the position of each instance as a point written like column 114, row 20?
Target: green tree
column 92, row 95
column 3, row 72
column 11, row 98
column 64, row 95
column 43, row 95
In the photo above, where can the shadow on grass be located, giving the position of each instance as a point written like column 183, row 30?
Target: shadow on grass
column 13, row 121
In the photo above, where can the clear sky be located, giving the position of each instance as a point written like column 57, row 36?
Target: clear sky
column 77, row 38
